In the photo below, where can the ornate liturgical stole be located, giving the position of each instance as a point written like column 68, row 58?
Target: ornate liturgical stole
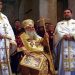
column 68, row 55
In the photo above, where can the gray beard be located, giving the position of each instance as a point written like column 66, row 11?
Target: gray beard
column 31, row 34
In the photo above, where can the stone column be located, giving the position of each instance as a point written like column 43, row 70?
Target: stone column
column 48, row 9
column 22, row 10
column 52, row 11
column 43, row 8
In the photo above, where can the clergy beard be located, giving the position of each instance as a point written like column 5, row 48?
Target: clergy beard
column 32, row 34
column 67, row 18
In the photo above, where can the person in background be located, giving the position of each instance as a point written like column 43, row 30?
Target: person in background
column 16, row 56
column 41, row 31
column 50, row 30
column 17, row 27
column 65, row 44
column 7, row 41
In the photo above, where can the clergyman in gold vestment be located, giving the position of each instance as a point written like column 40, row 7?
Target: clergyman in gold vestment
column 33, row 45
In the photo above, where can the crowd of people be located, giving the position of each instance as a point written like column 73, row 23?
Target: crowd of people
column 28, row 51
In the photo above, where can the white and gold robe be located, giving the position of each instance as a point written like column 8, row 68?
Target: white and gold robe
column 5, row 30
column 66, row 48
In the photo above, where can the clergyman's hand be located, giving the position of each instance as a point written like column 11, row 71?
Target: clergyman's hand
column 26, row 52
column 4, row 36
column 46, row 36
column 67, row 37
column 46, row 39
column 1, row 36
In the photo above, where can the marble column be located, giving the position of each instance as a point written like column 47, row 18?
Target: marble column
column 52, row 11
column 48, row 9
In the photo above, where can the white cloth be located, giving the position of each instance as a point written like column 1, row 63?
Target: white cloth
column 4, row 23
column 65, row 27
